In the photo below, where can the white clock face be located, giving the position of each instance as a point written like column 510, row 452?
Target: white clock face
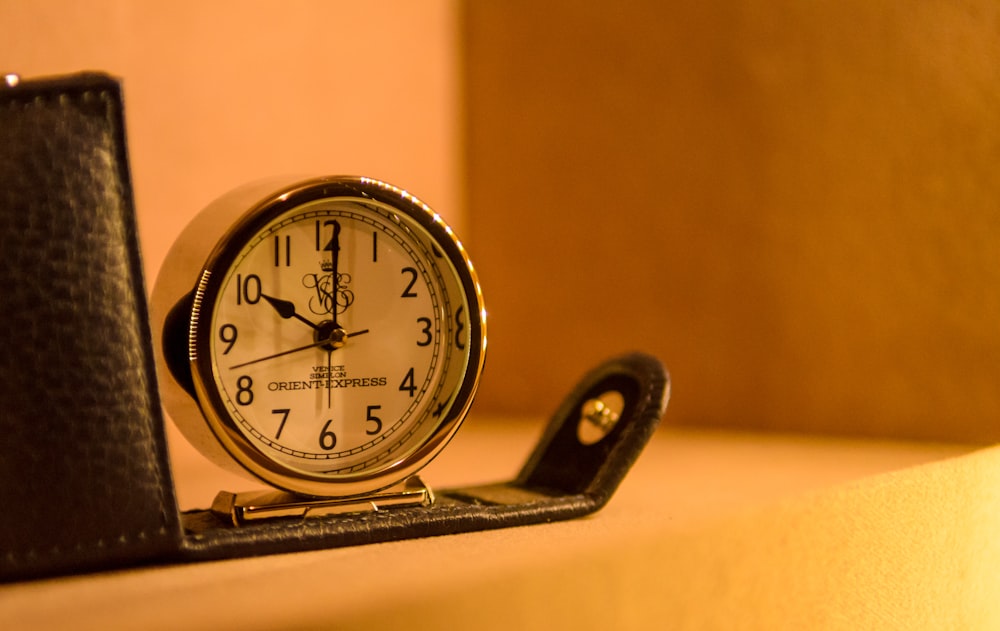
column 334, row 338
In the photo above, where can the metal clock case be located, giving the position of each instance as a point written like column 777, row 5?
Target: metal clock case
column 326, row 336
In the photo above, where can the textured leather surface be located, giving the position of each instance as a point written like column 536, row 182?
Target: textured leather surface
column 84, row 481
column 562, row 479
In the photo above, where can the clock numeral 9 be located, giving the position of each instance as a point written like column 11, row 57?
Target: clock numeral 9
column 248, row 289
column 228, row 335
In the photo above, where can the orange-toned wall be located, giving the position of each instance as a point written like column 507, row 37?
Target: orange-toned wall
column 793, row 204
column 796, row 205
column 224, row 92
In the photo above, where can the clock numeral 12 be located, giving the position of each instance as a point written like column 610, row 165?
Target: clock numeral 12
column 333, row 243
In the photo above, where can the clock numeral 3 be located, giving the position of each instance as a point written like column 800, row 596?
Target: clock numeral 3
column 426, row 331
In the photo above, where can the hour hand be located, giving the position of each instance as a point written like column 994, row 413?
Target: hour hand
column 286, row 309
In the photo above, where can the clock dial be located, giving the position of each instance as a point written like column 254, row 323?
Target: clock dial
column 336, row 337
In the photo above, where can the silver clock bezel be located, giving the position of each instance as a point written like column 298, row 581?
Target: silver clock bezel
column 235, row 447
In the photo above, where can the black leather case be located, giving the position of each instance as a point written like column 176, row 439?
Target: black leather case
column 84, row 481
column 84, row 478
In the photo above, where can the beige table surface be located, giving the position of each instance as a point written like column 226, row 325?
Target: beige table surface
column 709, row 530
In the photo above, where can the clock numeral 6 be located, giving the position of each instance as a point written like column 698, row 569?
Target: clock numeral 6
column 327, row 439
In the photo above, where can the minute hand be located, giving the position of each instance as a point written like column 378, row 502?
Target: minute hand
column 293, row 350
column 334, row 247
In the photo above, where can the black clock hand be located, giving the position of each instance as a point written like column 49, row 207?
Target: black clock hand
column 329, row 381
column 335, row 339
column 335, row 275
column 334, row 247
column 286, row 309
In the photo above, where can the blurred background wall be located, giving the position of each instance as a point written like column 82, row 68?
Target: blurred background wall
column 223, row 92
column 793, row 204
column 796, row 205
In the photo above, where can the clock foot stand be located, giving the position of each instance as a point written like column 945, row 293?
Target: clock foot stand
column 242, row 508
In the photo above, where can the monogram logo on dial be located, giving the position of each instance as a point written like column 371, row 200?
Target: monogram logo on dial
column 332, row 296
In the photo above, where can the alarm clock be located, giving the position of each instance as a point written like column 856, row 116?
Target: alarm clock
column 325, row 336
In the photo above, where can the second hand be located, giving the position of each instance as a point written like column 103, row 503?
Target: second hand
column 293, row 350
column 329, row 382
